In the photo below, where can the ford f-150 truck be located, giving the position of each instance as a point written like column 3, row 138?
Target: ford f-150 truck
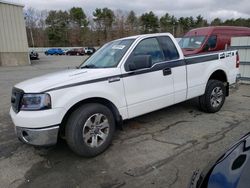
column 125, row 78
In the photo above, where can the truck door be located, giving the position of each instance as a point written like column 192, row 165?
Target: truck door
column 152, row 88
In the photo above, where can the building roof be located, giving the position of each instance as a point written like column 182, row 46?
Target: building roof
column 11, row 3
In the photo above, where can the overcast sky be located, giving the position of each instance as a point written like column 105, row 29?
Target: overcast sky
column 209, row 9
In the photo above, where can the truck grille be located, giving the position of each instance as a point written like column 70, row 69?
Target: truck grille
column 16, row 97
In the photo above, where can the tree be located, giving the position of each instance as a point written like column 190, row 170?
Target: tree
column 31, row 23
column 73, row 28
column 216, row 22
column 149, row 22
column 40, row 37
column 57, row 23
column 118, row 27
column 77, row 16
column 165, row 23
column 78, row 26
column 200, row 21
column 104, row 19
column 168, row 23
column 132, row 22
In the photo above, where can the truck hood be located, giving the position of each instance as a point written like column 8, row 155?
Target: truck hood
column 48, row 81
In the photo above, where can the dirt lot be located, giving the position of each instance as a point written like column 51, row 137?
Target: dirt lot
column 160, row 149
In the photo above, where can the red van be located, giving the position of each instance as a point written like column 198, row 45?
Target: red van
column 208, row 39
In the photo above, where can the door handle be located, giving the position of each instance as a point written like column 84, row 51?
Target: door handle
column 167, row 71
column 114, row 79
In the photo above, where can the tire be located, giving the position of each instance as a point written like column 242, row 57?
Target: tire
column 80, row 127
column 214, row 97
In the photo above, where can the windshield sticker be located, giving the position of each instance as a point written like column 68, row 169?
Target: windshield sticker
column 198, row 42
column 118, row 47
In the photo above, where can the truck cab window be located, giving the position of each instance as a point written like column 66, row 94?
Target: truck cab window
column 169, row 49
column 150, row 47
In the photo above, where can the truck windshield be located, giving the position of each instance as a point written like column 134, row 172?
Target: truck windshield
column 192, row 42
column 108, row 55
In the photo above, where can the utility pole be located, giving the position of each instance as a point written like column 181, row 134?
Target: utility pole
column 32, row 39
column 31, row 33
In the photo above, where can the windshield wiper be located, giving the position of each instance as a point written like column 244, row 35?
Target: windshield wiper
column 88, row 66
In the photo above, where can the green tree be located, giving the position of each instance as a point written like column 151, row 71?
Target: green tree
column 78, row 26
column 166, row 24
column 104, row 18
column 216, row 22
column 78, row 16
column 132, row 22
column 200, row 21
column 57, row 22
column 149, row 22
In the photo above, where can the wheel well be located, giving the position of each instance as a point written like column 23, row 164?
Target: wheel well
column 221, row 76
column 102, row 101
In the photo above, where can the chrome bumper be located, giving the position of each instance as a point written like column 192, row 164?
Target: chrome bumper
column 38, row 137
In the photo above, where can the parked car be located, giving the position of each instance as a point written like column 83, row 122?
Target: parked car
column 209, row 39
column 66, row 50
column 89, row 50
column 33, row 55
column 230, row 170
column 54, row 51
column 75, row 51
column 124, row 79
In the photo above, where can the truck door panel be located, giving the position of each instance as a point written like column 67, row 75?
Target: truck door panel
column 148, row 90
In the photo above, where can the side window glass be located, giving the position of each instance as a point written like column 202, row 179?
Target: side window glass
column 169, row 49
column 150, row 47
column 212, row 41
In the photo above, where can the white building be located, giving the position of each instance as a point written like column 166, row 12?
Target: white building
column 13, row 38
column 242, row 44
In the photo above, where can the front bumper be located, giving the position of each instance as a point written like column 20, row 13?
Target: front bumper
column 37, row 119
column 39, row 136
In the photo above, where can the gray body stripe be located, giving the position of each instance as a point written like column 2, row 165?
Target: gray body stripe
column 202, row 59
column 157, row 67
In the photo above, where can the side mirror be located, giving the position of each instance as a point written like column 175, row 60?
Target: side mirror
column 140, row 62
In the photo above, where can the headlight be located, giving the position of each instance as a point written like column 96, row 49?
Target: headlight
column 36, row 102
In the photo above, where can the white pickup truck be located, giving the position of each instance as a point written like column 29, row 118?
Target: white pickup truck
column 125, row 78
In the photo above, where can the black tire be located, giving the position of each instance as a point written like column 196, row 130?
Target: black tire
column 205, row 101
column 75, row 125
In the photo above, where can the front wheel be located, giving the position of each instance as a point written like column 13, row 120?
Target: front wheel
column 90, row 129
column 214, row 96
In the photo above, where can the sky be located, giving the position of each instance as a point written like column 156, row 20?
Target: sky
column 209, row 9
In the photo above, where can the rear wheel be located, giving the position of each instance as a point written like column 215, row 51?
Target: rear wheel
column 214, row 96
column 90, row 129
